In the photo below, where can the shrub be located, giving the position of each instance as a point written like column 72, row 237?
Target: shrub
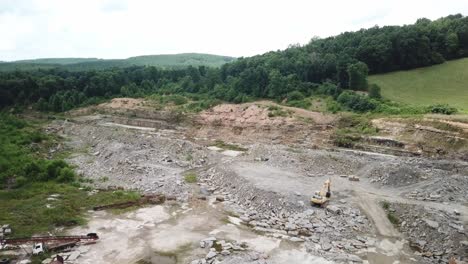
column 54, row 168
column 385, row 205
column 374, row 91
column 177, row 99
column 356, row 102
column 442, row 109
column 393, row 218
column 356, row 124
column 275, row 111
column 329, row 88
column 343, row 141
column 223, row 145
column 300, row 104
column 295, row 96
column 332, row 105
column 202, row 104
column 21, row 181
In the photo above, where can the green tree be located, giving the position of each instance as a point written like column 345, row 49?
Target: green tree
column 452, row 44
column 374, row 91
column 357, row 74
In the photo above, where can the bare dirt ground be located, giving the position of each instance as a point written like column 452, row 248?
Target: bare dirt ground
column 255, row 201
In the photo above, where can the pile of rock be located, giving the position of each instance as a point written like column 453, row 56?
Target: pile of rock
column 437, row 235
column 218, row 249
column 447, row 189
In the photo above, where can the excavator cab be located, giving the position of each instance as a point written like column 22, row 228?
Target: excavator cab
column 320, row 198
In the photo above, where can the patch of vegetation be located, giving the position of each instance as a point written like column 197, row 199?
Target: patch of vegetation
column 28, row 179
column 37, row 259
column 189, row 157
column 351, row 128
column 385, row 205
column 295, row 150
column 191, row 177
column 218, row 247
column 275, row 111
column 444, row 109
column 356, row 102
column 183, row 103
column 29, row 211
column 304, row 103
column 393, row 218
column 103, row 179
column 356, row 124
column 390, row 215
column 223, row 145
column 22, row 148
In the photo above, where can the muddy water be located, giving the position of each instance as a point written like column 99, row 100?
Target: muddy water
column 171, row 235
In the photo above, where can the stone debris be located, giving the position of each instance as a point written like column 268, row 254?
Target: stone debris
column 435, row 234
column 217, row 249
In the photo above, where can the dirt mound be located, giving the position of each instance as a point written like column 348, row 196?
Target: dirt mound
column 240, row 115
column 446, row 189
column 393, row 174
column 262, row 113
column 253, row 122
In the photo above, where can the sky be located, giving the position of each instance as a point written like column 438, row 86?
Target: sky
column 124, row 28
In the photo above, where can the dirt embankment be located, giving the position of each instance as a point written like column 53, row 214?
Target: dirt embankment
column 266, row 121
column 130, row 111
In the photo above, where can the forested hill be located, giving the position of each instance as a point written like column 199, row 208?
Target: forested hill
column 382, row 49
column 329, row 67
column 85, row 64
column 55, row 61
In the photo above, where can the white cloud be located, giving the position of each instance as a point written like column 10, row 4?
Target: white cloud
column 123, row 28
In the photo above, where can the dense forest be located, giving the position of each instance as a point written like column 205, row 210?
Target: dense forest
column 333, row 66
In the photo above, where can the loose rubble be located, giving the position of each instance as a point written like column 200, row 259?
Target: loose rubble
column 436, row 235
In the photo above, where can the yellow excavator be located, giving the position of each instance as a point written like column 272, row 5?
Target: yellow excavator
column 320, row 198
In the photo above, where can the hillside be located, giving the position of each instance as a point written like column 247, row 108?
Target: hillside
column 62, row 61
column 80, row 64
column 445, row 83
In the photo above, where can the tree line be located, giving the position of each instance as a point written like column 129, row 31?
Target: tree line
column 323, row 66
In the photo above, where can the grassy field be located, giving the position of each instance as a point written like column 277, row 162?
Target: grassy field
column 445, row 83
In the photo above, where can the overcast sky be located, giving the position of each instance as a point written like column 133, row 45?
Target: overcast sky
column 124, row 28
